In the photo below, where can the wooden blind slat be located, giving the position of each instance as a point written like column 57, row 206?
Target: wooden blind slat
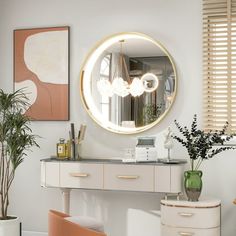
column 214, row 83
column 210, row 73
column 215, row 104
column 216, row 18
column 213, row 1
column 211, row 97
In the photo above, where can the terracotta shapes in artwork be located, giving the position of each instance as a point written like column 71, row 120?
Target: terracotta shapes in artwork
column 41, row 67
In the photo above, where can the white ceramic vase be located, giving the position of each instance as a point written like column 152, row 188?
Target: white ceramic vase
column 10, row 227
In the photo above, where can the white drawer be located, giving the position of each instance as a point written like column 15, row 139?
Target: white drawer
column 81, row 175
column 147, row 151
column 190, row 217
column 129, row 177
column 50, row 174
column 145, row 154
column 172, row 231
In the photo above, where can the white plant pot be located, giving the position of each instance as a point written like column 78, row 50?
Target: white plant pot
column 10, row 227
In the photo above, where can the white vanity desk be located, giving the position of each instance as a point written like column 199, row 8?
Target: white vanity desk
column 106, row 174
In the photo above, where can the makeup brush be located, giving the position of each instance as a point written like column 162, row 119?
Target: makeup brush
column 81, row 133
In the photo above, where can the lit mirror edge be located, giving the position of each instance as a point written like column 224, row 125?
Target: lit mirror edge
column 108, row 126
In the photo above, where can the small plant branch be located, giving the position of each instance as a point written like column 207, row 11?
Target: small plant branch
column 198, row 164
column 192, row 164
column 2, row 181
column 7, row 181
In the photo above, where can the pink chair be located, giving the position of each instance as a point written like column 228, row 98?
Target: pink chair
column 60, row 224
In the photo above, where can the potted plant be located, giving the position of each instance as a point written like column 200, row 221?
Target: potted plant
column 200, row 146
column 16, row 139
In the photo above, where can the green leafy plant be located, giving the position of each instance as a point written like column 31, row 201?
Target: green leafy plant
column 16, row 139
column 202, row 145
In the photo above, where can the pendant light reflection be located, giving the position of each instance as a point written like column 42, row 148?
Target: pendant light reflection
column 124, row 86
column 150, row 82
column 105, row 88
column 136, row 87
column 120, row 87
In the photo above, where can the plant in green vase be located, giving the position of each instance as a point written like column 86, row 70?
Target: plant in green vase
column 200, row 146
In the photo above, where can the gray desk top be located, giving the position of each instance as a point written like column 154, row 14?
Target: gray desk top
column 117, row 161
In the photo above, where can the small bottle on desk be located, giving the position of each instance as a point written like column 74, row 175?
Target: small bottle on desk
column 61, row 149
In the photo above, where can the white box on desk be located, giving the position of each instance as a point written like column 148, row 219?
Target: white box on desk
column 145, row 154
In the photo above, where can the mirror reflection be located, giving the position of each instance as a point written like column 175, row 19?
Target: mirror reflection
column 129, row 84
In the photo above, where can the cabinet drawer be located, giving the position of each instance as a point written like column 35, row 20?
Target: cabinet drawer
column 172, row 231
column 81, row 175
column 190, row 217
column 146, row 152
column 129, row 177
column 50, row 174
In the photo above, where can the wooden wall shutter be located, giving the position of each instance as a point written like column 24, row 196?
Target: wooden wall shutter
column 219, row 64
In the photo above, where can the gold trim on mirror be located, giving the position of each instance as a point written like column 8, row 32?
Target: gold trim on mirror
column 86, row 81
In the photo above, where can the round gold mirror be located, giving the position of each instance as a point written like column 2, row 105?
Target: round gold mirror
column 128, row 83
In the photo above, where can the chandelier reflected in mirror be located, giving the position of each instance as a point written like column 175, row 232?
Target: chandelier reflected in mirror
column 120, row 82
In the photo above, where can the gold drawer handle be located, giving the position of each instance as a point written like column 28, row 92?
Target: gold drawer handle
column 79, row 174
column 127, row 176
column 186, row 233
column 186, row 214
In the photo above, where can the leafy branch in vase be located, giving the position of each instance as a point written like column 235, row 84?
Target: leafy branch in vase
column 202, row 145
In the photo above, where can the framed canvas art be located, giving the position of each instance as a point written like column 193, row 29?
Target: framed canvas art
column 41, row 69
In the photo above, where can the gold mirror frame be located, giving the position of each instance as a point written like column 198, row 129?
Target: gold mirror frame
column 86, row 100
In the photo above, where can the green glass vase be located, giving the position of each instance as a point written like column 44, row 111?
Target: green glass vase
column 193, row 184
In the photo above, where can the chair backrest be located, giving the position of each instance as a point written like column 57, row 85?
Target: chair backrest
column 58, row 226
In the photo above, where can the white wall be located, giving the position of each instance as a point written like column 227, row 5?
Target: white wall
column 177, row 24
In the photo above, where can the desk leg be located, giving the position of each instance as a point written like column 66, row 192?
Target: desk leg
column 66, row 200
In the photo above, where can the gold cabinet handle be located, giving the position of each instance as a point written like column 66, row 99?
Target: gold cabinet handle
column 79, row 174
column 186, row 214
column 186, row 233
column 127, row 176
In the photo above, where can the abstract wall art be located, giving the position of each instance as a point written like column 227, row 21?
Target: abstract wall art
column 41, row 69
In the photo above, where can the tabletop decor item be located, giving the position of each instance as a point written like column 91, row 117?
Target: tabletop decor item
column 168, row 142
column 200, row 146
column 16, row 139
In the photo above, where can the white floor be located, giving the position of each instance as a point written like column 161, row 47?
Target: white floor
column 30, row 233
